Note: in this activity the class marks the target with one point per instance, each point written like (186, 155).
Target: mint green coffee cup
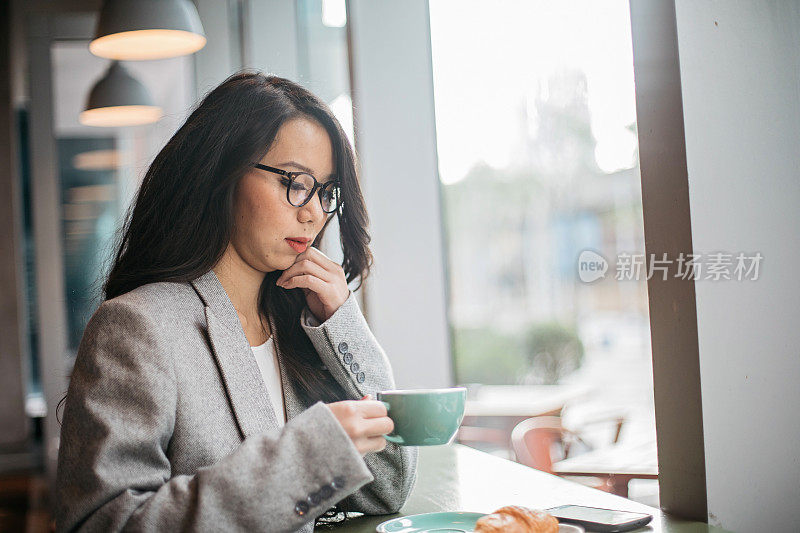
(424, 417)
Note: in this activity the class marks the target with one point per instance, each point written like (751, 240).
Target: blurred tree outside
(488, 356)
(553, 351)
(544, 354)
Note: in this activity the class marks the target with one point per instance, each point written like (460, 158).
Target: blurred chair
(608, 421)
(540, 441)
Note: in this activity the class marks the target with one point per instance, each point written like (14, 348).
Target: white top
(267, 360)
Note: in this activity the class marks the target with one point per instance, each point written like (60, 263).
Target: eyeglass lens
(302, 186)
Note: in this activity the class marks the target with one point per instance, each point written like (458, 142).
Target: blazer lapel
(244, 384)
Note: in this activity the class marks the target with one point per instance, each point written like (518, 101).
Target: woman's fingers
(304, 267)
(376, 427)
(374, 422)
(371, 408)
(323, 282)
(316, 255)
(305, 281)
(365, 421)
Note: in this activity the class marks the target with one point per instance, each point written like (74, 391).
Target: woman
(221, 384)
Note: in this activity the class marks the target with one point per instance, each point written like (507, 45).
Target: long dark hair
(182, 219)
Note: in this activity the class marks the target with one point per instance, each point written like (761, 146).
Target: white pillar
(396, 139)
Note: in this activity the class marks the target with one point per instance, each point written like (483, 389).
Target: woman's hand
(365, 422)
(322, 280)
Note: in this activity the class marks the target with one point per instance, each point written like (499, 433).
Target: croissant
(517, 519)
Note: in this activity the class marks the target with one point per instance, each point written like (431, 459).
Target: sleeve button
(361, 377)
(338, 482)
(325, 491)
(313, 498)
(354, 368)
(301, 508)
(348, 358)
(343, 347)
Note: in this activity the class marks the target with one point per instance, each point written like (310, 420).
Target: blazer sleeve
(113, 467)
(366, 370)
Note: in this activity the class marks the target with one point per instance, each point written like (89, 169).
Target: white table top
(459, 478)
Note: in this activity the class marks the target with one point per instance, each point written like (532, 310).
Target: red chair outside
(540, 441)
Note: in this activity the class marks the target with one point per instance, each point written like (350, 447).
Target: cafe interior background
(512, 129)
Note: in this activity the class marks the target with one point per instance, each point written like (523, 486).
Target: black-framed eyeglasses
(301, 186)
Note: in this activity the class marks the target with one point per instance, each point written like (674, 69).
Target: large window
(536, 134)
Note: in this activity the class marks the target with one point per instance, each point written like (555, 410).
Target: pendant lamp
(147, 29)
(119, 99)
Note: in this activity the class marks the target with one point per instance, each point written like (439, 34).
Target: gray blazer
(168, 425)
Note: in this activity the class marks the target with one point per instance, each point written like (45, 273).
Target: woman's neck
(242, 283)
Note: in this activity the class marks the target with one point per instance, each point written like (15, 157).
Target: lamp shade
(119, 99)
(147, 29)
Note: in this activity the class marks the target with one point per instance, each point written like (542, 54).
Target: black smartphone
(601, 520)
